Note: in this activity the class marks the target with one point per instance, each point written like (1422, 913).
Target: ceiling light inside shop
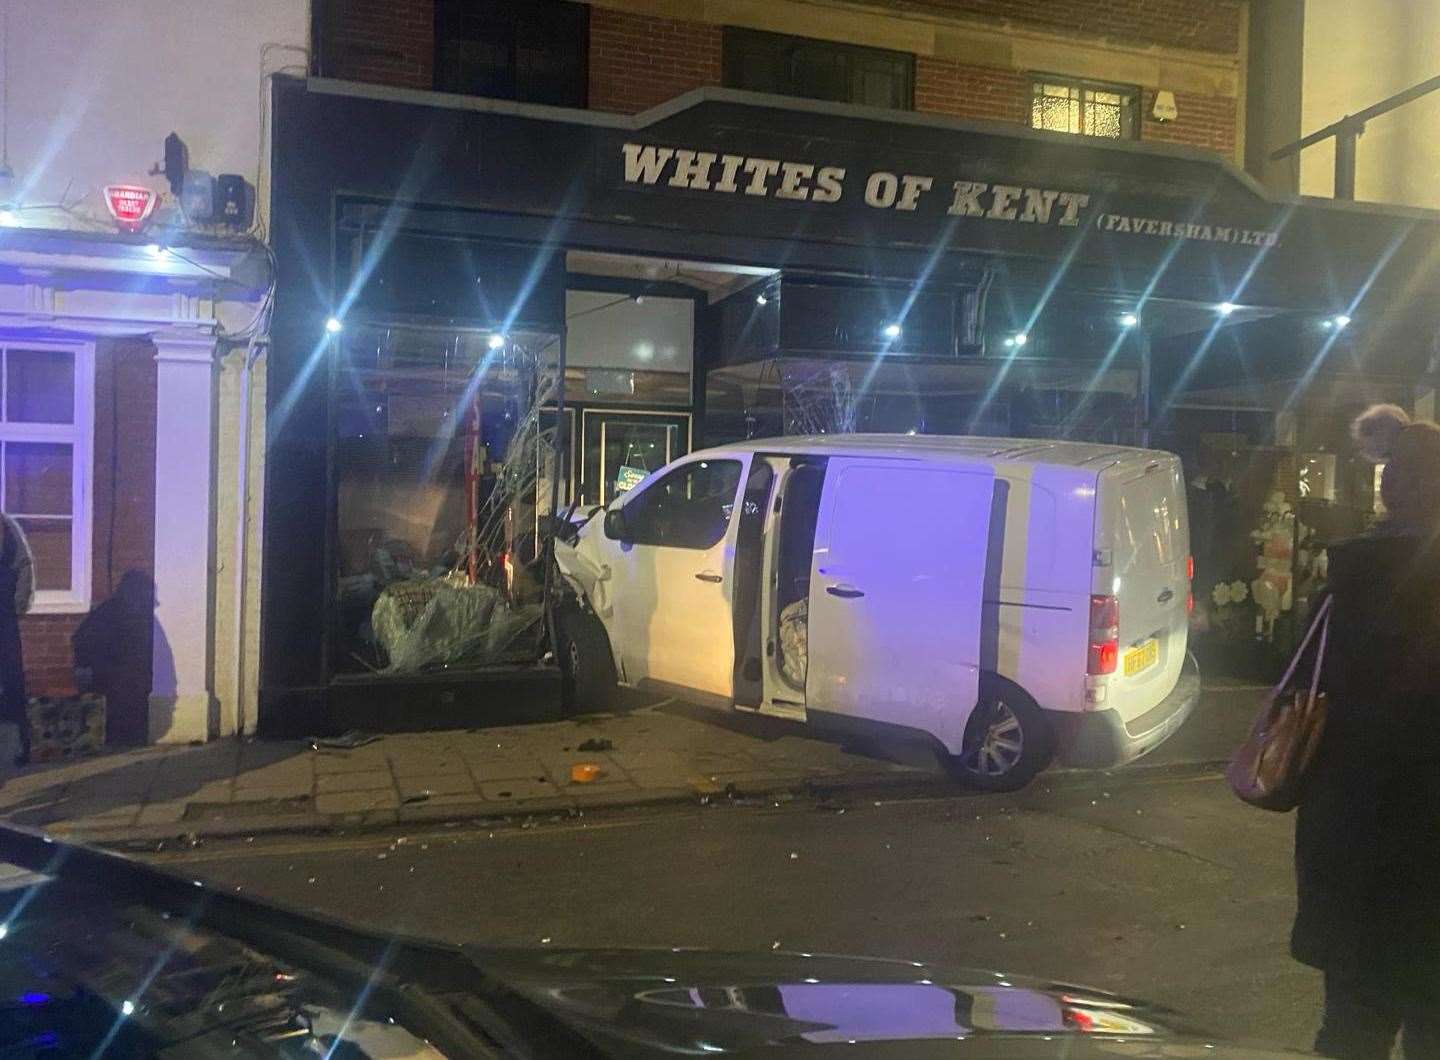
(495, 342)
(1020, 339)
(1129, 320)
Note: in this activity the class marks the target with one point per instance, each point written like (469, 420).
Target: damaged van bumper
(1100, 739)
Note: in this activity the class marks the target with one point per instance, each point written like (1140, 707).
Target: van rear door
(895, 588)
(1143, 525)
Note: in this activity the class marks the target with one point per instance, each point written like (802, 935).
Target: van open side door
(895, 593)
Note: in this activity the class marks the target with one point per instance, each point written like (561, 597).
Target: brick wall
(1205, 121)
(114, 637)
(637, 61)
(944, 87)
(383, 42)
(1205, 25)
(959, 91)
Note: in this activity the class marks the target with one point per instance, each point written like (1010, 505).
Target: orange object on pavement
(583, 772)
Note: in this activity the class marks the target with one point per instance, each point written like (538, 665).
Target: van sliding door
(895, 591)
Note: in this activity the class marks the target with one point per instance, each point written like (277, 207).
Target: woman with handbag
(1367, 840)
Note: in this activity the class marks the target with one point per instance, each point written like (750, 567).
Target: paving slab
(354, 780)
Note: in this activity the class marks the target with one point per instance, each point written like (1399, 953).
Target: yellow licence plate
(1137, 659)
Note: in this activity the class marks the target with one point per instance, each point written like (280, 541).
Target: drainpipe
(253, 351)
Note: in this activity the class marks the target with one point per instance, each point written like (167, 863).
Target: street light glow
(892, 331)
(1129, 320)
(1021, 338)
(333, 325)
(1225, 308)
(495, 342)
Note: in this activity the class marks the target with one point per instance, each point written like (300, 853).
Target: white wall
(608, 330)
(96, 85)
(238, 676)
(1357, 54)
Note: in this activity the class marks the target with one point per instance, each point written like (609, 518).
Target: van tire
(586, 666)
(1003, 717)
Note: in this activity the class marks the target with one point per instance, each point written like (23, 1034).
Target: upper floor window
(1085, 108)
(533, 51)
(816, 69)
(46, 431)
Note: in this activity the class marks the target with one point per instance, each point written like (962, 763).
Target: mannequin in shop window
(17, 593)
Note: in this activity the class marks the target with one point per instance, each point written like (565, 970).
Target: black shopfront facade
(729, 265)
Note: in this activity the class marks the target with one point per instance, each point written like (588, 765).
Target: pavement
(649, 753)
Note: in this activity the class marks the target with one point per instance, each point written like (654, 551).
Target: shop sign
(627, 478)
(1171, 229)
(789, 180)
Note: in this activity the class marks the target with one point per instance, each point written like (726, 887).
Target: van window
(689, 507)
(1152, 528)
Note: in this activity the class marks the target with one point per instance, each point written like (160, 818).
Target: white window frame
(80, 436)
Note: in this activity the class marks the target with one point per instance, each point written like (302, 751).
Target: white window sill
(61, 605)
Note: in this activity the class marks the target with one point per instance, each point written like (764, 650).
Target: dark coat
(1367, 839)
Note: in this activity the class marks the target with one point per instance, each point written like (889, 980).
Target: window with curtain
(534, 51)
(1085, 108)
(46, 429)
(817, 69)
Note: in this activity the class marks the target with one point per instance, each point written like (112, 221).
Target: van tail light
(1190, 567)
(1104, 635)
(1190, 603)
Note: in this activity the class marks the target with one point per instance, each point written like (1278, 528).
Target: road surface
(1155, 882)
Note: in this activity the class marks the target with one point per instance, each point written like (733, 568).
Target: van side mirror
(615, 528)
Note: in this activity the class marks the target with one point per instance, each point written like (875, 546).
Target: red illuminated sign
(129, 204)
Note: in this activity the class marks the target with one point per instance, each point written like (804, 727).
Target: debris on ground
(344, 742)
(432, 623)
(600, 744)
(419, 796)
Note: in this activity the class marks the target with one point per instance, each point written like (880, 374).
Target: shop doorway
(622, 446)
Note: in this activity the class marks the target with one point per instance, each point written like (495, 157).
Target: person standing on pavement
(1367, 838)
(17, 593)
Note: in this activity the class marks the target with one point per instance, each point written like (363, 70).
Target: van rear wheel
(1007, 740)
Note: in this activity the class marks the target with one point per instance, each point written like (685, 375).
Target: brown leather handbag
(1269, 768)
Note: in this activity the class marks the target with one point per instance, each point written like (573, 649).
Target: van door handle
(845, 592)
(709, 576)
(1166, 596)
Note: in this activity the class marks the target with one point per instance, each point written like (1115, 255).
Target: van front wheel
(586, 665)
(1007, 740)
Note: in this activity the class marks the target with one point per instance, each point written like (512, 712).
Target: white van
(1011, 599)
